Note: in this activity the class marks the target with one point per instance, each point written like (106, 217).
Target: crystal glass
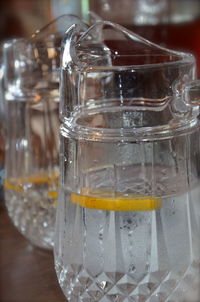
(127, 225)
(32, 121)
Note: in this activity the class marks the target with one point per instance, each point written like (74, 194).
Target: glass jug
(31, 83)
(127, 225)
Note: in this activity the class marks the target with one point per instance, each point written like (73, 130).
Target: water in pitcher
(32, 166)
(130, 232)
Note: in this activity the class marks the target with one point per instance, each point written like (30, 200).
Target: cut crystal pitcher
(128, 215)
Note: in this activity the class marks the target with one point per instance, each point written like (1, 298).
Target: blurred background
(172, 23)
(20, 18)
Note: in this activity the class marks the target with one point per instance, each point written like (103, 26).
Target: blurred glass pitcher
(31, 83)
(128, 215)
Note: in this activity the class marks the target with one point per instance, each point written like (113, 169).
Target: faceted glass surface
(128, 213)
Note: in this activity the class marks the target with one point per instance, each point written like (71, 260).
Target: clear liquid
(129, 255)
(32, 207)
(108, 255)
(31, 166)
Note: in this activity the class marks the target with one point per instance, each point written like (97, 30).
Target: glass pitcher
(31, 83)
(127, 225)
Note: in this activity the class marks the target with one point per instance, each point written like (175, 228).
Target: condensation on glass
(128, 218)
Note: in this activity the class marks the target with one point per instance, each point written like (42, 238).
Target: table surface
(26, 273)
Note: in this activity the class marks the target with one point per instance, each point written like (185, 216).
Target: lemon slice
(112, 201)
(17, 184)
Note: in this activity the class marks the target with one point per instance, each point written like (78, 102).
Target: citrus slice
(18, 184)
(114, 201)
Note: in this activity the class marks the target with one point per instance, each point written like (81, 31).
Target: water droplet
(132, 269)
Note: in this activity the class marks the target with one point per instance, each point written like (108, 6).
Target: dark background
(20, 18)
